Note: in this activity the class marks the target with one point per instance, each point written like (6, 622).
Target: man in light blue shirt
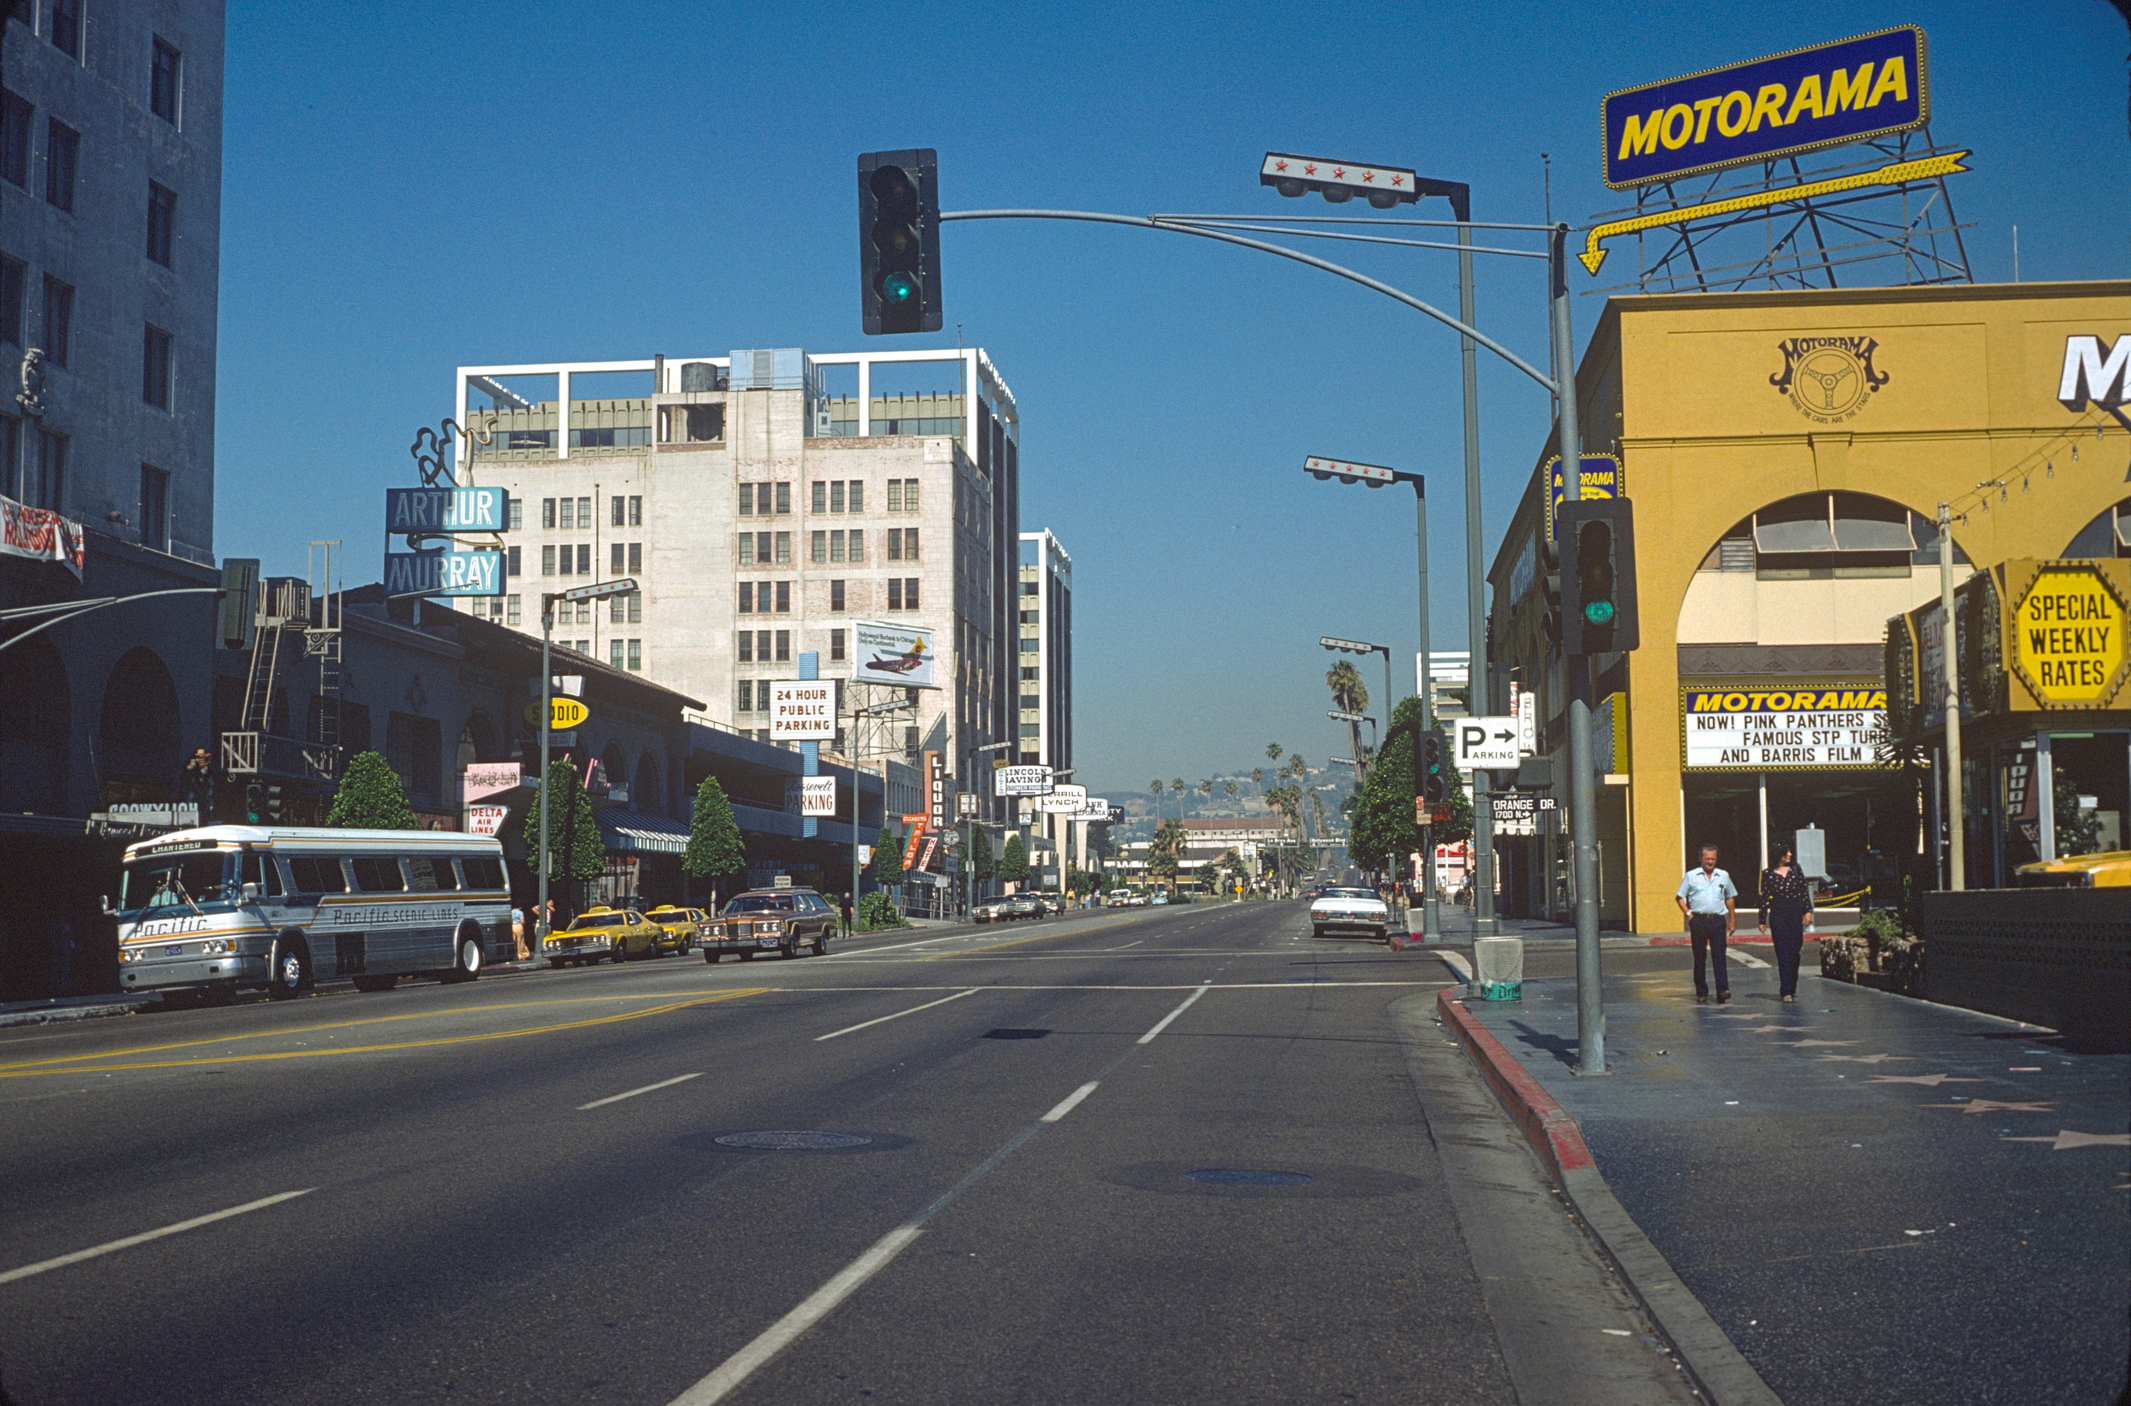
(1709, 900)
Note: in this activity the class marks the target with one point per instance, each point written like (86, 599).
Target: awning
(634, 831)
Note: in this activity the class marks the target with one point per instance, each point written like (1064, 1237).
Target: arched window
(647, 790)
(477, 741)
(615, 762)
(137, 734)
(2108, 535)
(36, 712)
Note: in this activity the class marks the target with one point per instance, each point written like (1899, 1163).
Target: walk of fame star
(2066, 1139)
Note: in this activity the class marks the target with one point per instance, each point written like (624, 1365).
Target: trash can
(1498, 969)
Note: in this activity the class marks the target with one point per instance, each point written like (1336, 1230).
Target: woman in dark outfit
(1787, 908)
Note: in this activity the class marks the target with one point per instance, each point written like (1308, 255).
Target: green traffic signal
(898, 288)
(1599, 612)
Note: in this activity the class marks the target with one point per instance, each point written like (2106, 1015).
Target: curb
(1711, 1360)
(52, 1014)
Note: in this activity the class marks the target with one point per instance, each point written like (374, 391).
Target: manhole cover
(793, 1141)
(1229, 1176)
(1012, 1034)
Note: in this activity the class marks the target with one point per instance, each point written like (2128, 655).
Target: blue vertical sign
(444, 573)
(421, 510)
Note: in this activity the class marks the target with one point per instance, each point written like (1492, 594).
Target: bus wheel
(377, 983)
(468, 965)
(289, 972)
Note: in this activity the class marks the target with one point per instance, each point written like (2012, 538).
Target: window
(895, 593)
(1032, 673)
(13, 275)
(821, 496)
(636, 557)
(747, 549)
(261, 869)
(514, 561)
(47, 478)
(311, 874)
(636, 510)
(62, 155)
(569, 514)
(1031, 647)
(858, 544)
(584, 558)
(1029, 617)
(162, 223)
(65, 27)
(836, 642)
(378, 875)
(895, 495)
(584, 612)
(15, 115)
(858, 495)
(547, 512)
(513, 613)
(584, 514)
(895, 544)
(616, 555)
(636, 607)
(762, 646)
(1031, 588)
(747, 646)
(784, 548)
(836, 546)
(784, 597)
(636, 655)
(910, 544)
(155, 366)
(547, 561)
(163, 83)
(910, 593)
(428, 875)
(516, 514)
(615, 508)
(836, 595)
(784, 498)
(58, 320)
(155, 507)
(614, 653)
(819, 544)
(902, 495)
(1032, 700)
(836, 496)
(614, 610)
(747, 597)
(784, 646)
(744, 694)
(747, 500)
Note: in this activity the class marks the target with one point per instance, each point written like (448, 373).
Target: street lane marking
(145, 1236)
(1032, 937)
(1070, 1102)
(94, 1064)
(1458, 965)
(1737, 956)
(1163, 1023)
(647, 1089)
(878, 1020)
(1129, 944)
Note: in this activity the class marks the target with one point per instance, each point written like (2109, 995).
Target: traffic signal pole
(1479, 699)
(547, 720)
(1576, 669)
(1431, 917)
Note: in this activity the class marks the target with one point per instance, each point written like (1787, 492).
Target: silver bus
(229, 907)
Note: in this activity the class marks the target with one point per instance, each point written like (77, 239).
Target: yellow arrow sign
(1893, 173)
(567, 713)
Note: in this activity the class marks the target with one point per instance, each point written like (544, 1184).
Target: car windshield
(177, 881)
(759, 903)
(601, 920)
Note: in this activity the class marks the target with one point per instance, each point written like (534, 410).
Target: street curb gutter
(50, 1014)
(1718, 1370)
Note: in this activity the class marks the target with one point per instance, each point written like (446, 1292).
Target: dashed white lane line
(145, 1236)
(881, 1020)
(647, 1089)
(1070, 1101)
(735, 1370)
(1120, 949)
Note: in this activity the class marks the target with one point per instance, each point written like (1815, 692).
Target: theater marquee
(1787, 728)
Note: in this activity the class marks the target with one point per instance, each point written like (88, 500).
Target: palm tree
(1155, 786)
(1257, 776)
(1230, 789)
(1176, 789)
(1272, 751)
(1350, 695)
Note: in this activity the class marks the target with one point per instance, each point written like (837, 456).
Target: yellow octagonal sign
(567, 713)
(2068, 637)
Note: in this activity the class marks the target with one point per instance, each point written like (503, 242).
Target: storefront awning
(636, 832)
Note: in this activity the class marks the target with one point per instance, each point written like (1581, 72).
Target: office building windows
(858, 495)
(836, 496)
(569, 561)
(517, 515)
(636, 655)
(63, 26)
(784, 597)
(784, 646)
(836, 595)
(747, 500)
(58, 320)
(762, 646)
(569, 514)
(836, 546)
(584, 558)
(903, 495)
(547, 512)
(512, 608)
(744, 696)
(895, 593)
(895, 495)
(616, 555)
(163, 76)
(784, 498)
(1031, 673)
(62, 160)
(636, 557)
(747, 597)
(46, 480)
(584, 514)
(821, 495)
(747, 549)
(895, 544)
(13, 275)
(15, 115)
(616, 507)
(615, 608)
(155, 507)
(818, 551)
(155, 366)
(902, 544)
(836, 643)
(784, 548)
(746, 640)
(547, 561)
(614, 654)
(584, 613)
(636, 510)
(514, 563)
(162, 223)
(910, 593)
(858, 544)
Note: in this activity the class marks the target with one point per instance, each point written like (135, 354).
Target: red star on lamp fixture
(1395, 180)
(1368, 176)
(1339, 171)
(1279, 165)
(1309, 170)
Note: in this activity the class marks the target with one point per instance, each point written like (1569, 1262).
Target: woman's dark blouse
(1787, 893)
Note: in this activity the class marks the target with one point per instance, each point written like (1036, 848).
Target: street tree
(888, 861)
(1014, 861)
(715, 847)
(1155, 788)
(576, 853)
(1166, 849)
(980, 850)
(1229, 789)
(1382, 832)
(370, 797)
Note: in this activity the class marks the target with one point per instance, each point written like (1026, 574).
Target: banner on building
(887, 653)
(425, 510)
(1781, 728)
(810, 795)
(39, 534)
(490, 779)
(917, 825)
(1600, 478)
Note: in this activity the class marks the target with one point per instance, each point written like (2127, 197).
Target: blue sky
(410, 187)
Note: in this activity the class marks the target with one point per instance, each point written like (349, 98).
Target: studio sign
(1828, 379)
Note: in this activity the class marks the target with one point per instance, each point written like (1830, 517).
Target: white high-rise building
(1044, 683)
(761, 516)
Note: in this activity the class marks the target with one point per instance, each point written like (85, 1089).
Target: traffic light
(254, 802)
(273, 804)
(1434, 785)
(1598, 613)
(237, 611)
(899, 241)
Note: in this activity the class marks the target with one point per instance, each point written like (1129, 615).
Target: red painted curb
(1552, 1133)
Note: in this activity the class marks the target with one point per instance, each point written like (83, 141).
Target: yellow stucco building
(1786, 453)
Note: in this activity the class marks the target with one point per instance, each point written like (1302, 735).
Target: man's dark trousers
(1706, 931)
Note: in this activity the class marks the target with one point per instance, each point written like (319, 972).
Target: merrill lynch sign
(1780, 729)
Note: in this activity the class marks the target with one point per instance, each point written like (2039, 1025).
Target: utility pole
(547, 719)
(1956, 809)
(1431, 912)
(1583, 802)
(1479, 695)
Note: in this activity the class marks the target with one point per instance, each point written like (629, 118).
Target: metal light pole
(1478, 682)
(1956, 807)
(547, 718)
(1583, 801)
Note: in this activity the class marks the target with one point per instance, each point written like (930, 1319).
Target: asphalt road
(1190, 1155)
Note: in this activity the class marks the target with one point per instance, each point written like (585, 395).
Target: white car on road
(1349, 910)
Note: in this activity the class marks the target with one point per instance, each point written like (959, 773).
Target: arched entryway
(138, 758)
(36, 711)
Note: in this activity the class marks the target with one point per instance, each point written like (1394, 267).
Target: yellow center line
(99, 1064)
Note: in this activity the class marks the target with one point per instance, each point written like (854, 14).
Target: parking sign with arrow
(1485, 744)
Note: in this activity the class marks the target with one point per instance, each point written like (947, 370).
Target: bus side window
(483, 871)
(447, 876)
(262, 873)
(423, 872)
(379, 874)
(316, 874)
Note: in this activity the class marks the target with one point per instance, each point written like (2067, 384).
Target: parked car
(1160, 899)
(786, 921)
(616, 933)
(2110, 869)
(1118, 898)
(1054, 903)
(993, 910)
(683, 926)
(1349, 910)
(1026, 905)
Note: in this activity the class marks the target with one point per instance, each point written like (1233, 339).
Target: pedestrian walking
(847, 914)
(196, 786)
(518, 932)
(1709, 900)
(1787, 912)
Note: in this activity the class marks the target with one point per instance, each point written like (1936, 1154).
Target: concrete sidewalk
(1880, 1201)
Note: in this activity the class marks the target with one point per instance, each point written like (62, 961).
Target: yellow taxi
(2111, 869)
(682, 927)
(614, 933)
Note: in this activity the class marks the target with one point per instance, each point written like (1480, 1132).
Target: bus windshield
(182, 881)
